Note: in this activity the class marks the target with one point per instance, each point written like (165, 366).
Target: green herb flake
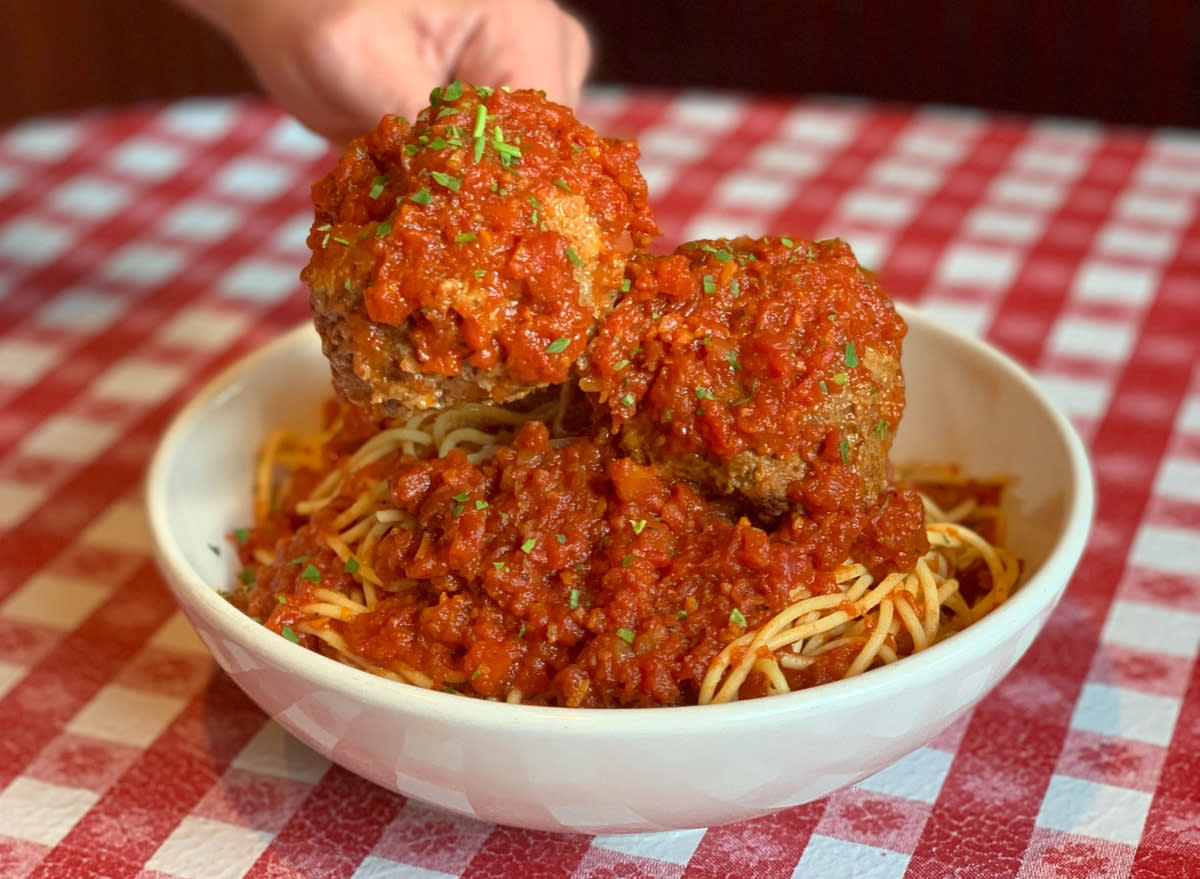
(844, 449)
(299, 560)
(352, 565)
(421, 196)
(290, 634)
(282, 599)
(464, 237)
(528, 545)
(841, 378)
(851, 356)
(710, 286)
(573, 599)
(499, 566)
(559, 345)
(573, 256)
(377, 186)
(627, 561)
(481, 504)
(561, 538)
(638, 525)
(731, 357)
(735, 288)
(824, 387)
(626, 635)
(479, 273)
(787, 242)
(447, 180)
(246, 576)
(562, 184)
(453, 91)
(625, 285)
(457, 510)
(736, 617)
(311, 574)
(460, 497)
(383, 228)
(703, 393)
(627, 399)
(620, 364)
(241, 536)
(881, 428)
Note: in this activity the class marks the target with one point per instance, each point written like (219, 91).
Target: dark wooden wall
(1134, 61)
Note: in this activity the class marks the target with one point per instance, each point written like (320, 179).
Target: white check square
(1108, 283)
(33, 242)
(977, 266)
(825, 857)
(275, 751)
(54, 602)
(1088, 808)
(1125, 713)
(1091, 339)
(1179, 479)
(40, 812)
(127, 716)
(70, 438)
(200, 848)
(1167, 548)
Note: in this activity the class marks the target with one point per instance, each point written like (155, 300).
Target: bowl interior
(967, 404)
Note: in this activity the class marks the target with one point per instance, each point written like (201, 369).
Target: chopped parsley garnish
(453, 91)
(626, 635)
(735, 617)
(241, 536)
(352, 565)
(735, 288)
(447, 180)
(703, 393)
(561, 538)
(562, 184)
(383, 228)
(627, 399)
(710, 286)
(290, 635)
(637, 525)
(620, 364)
(573, 599)
(479, 273)
(481, 504)
(573, 256)
(881, 428)
(246, 576)
(844, 449)
(851, 356)
(499, 566)
(824, 387)
(528, 545)
(377, 186)
(464, 237)
(311, 574)
(421, 196)
(460, 497)
(625, 285)
(787, 242)
(841, 378)
(731, 357)
(558, 346)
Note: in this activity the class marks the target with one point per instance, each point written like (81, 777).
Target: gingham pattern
(142, 250)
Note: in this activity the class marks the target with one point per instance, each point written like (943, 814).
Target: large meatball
(751, 366)
(471, 255)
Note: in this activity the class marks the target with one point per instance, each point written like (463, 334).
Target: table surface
(143, 249)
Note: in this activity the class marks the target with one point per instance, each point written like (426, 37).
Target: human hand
(339, 65)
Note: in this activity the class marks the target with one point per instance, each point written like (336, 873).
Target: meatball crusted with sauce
(762, 368)
(469, 256)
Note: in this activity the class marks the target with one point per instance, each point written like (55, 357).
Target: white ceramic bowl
(625, 770)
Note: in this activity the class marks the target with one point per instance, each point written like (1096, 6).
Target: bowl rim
(196, 596)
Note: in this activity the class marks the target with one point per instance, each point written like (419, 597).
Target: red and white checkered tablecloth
(143, 249)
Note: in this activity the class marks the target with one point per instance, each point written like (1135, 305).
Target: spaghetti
(482, 551)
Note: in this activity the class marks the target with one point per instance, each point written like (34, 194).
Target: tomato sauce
(573, 575)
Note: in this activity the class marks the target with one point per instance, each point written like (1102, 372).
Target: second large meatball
(753, 367)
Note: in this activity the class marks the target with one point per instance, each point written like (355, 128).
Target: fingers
(527, 44)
